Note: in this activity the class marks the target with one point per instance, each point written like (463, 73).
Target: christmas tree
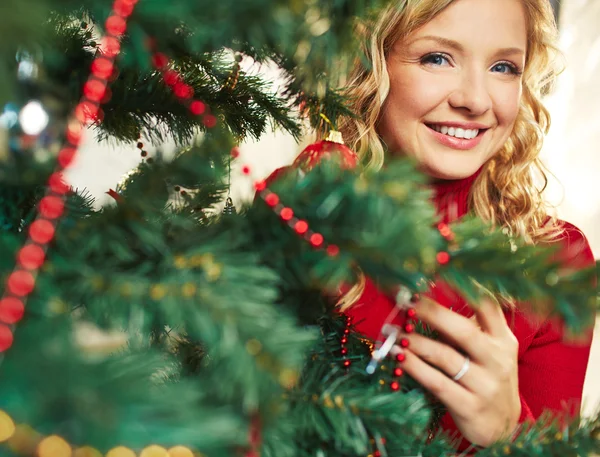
(225, 338)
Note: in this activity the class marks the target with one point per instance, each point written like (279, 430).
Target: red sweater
(551, 370)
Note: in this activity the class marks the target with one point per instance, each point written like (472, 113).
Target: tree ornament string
(31, 257)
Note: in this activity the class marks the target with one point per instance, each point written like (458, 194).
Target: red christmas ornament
(21, 283)
(344, 340)
(11, 310)
(31, 257)
(347, 363)
(52, 207)
(41, 231)
(344, 351)
(443, 258)
(6, 338)
(332, 146)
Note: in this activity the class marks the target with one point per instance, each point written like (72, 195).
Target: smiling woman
(457, 85)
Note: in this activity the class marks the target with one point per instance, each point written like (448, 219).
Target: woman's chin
(450, 171)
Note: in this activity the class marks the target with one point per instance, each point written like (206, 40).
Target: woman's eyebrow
(459, 47)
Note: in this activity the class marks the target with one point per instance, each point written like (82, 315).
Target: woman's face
(455, 87)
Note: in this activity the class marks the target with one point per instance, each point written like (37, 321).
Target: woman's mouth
(456, 137)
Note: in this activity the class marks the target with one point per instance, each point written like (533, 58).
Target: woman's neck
(451, 197)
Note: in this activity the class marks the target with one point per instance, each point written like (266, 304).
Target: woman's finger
(459, 331)
(446, 359)
(491, 318)
(457, 399)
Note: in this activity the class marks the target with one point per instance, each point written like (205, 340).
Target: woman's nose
(472, 93)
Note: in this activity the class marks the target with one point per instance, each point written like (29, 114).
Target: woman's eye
(507, 68)
(435, 59)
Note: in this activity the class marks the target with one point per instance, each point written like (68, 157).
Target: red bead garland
(11, 310)
(31, 257)
(344, 340)
(443, 258)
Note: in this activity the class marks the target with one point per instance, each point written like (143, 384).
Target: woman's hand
(484, 402)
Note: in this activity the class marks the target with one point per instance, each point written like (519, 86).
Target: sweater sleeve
(552, 367)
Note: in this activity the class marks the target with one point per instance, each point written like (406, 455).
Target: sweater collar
(451, 197)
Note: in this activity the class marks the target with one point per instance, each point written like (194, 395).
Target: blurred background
(572, 151)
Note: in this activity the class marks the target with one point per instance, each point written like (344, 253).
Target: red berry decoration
(6, 338)
(52, 207)
(272, 199)
(116, 25)
(31, 257)
(301, 227)
(102, 68)
(57, 184)
(196, 107)
(395, 386)
(11, 310)
(316, 239)
(210, 121)
(287, 214)
(41, 231)
(66, 156)
(21, 283)
(333, 250)
(443, 258)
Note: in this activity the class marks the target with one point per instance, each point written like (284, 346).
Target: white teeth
(456, 132)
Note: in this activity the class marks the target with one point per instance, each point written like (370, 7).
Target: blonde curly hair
(505, 193)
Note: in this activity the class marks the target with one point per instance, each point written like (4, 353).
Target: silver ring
(463, 369)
